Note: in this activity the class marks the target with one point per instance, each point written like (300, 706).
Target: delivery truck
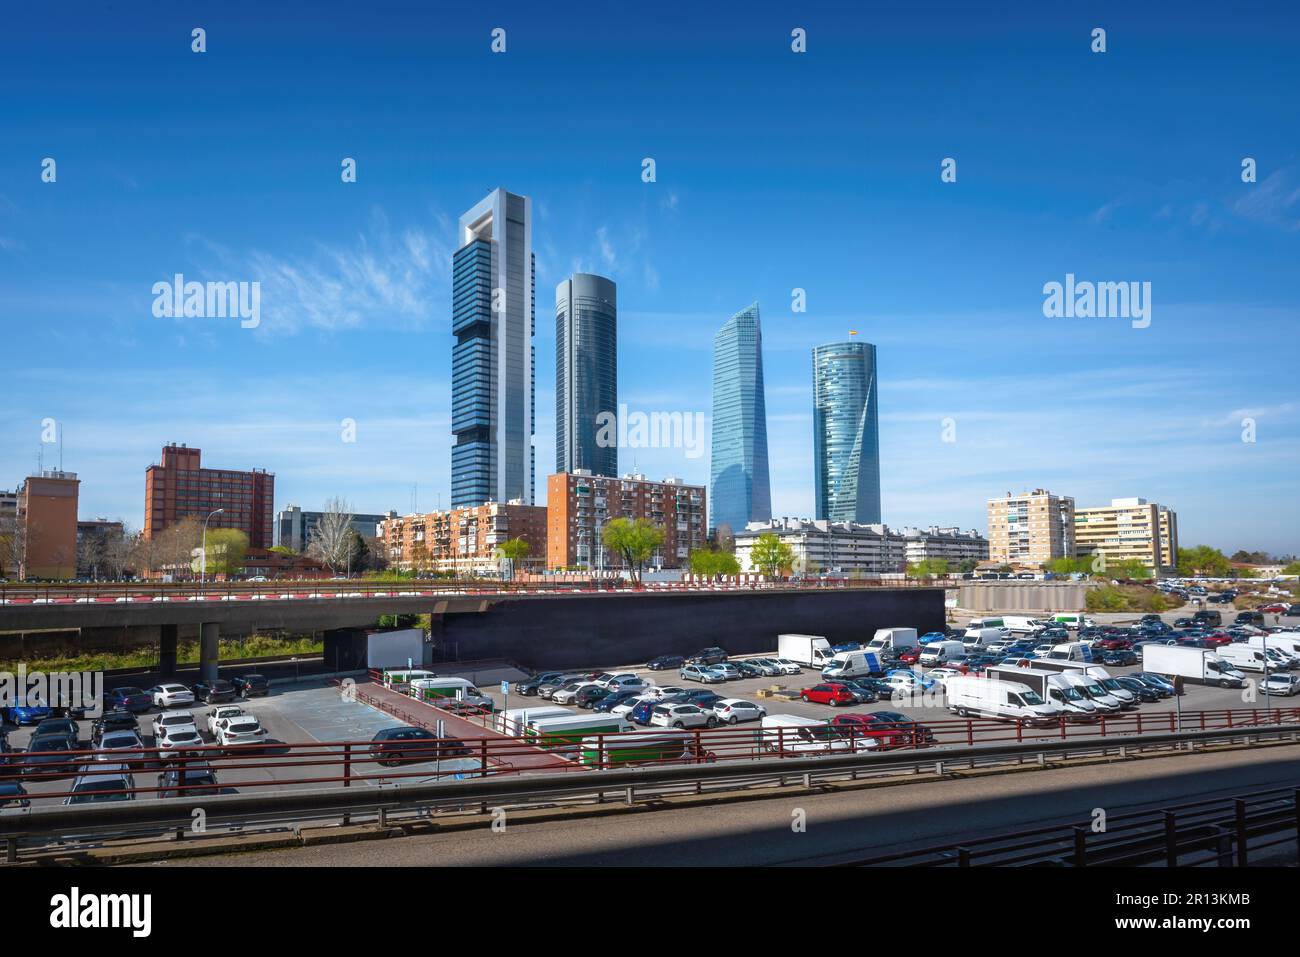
(635, 747)
(810, 650)
(514, 720)
(852, 664)
(1005, 700)
(566, 733)
(893, 641)
(1052, 688)
(1192, 664)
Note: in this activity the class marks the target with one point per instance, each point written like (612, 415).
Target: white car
(222, 711)
(241, 729)
(175, 721)
(787, 666)
(702, 673)
(682, 716)
(732, 710)
(942, 675)
(626, 708)
(570, 691)
(659, 692)
(119, 746)
(1283, 684)
(175, 741)
(171, 695)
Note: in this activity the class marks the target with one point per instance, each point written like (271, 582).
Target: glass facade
(739, 489)
(586, 372)
(493, 388)
(846, 440)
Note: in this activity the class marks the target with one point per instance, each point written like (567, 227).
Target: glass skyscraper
(846, 440)
(586, 372)
(739, 490)
(493, 361)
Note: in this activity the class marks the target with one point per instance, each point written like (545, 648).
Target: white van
(940, 652)
(1091, 689)
(976, 638)
(851, 664)
(790, 732)
(1247, 658)
(1286, 643)
(1020, 625)
(1071, 651)
(995, 698)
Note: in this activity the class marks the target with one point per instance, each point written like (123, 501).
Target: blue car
(847, 646)
(135, 700)
(24, 714)
(641, 713)
(609, 702)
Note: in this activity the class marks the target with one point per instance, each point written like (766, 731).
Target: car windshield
(121, 741)
(1031, 697)
(92, 791)
(124, 692)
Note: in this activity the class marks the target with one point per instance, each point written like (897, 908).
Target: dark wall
(598, 631)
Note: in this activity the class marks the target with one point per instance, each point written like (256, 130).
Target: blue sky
(775, 170)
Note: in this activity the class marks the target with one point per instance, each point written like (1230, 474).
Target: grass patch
(187, 652)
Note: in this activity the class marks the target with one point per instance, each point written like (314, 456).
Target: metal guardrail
(382, 799)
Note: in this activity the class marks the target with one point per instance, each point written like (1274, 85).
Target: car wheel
(711, 723)
(804, 698)
(677, 724)
(733, 719)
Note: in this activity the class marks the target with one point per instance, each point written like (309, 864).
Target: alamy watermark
(1101, 300)
(80, 690)
(211, 300)
(653, 430)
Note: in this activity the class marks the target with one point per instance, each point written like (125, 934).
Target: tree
(725, 538)
(117, 550)
(968, 565)
(512, 550)
(17, 537)
(704, 561)
(633, 541)
(1130, 569)
(1292, 569)
(928, 568)
(174, 546)
(1204, 561)
(770, 555)
(225, 551)
(330, 541)
(282, 550)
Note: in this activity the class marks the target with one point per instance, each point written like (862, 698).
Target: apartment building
(179, 486)
(1128, 529)
(951, 545)
(821, 546)
(42, 532)
(294, 527)
(1031, 528)
(580, 504)
(464, 541)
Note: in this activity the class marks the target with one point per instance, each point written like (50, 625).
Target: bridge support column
(209, 650)
(167, 639)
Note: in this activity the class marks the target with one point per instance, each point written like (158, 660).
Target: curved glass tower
(586, 372)
(846, 440)
(739, 491)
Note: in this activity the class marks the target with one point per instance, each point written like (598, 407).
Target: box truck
(852, 664)
(788, 733)
(893, 640)
(1088, 685)
(635, 747)
(940, 652)
(565, 733)
(805, 649)
(996, 698)
(1051, 687)
(514, 720)
(1193, 664)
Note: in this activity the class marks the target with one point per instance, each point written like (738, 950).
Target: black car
(1120, 657)
(64, 728)
(195, 779)
(666, 663)
(57, 760)
(863, 692)
(748, 669)
(589, 695)
(214, 692)
(404, 745)
(135, 700)
(111, 721)
(709, 656)
(697, 696)
(1145, 693)
(609, 702)
(252, 686)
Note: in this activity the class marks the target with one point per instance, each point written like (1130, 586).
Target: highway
(841, 825)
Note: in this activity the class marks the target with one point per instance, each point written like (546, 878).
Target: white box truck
(995, 698)
(852, 664)
(894, 640)
(941, 652)
(808, 650)
(1053, 688)
(1192, 664)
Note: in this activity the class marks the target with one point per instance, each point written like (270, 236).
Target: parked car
(642, 712)
(696, 672)
(194, 779)
(1144, 692)
(24, 714)
(170, 695)
(767, 666)
(569, 692)
(111, 721)
(1122, 657)
(1283, 683)
(861, 726)
(243, 729)
(219, 712)
(61, 727)
(591, 695)
(708, 656)
(698, 696)
(49, 755)
(117, 746)
(728, 671)
(135, 700)
(748, 669)
(832, 694)
(252, 686)
(101, 784)
(1161, 684)
(682, 716)
(734, 710)
(665, 662)
(175, 741)
(547, 688)
(405, 745)
(13, 794)
(611, 701)
(175, 720)
(920, 733)
(531, 685)
(215, 691)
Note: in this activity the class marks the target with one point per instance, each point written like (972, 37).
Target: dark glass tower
(586, 372)
(846, 441)
(739, 490)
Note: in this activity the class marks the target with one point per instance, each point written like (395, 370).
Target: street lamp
(203, 546)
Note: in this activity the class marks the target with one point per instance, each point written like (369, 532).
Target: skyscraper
(586, 372)
(846, 441)
(739, 490)
(493, 362)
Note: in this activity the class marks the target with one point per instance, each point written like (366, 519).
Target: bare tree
(330, 542)
(17, 538)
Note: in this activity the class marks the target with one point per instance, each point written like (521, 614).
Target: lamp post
(203, 546)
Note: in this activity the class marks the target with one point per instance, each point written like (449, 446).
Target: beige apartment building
(1128, 529)
(464, 541)
(1031, 528)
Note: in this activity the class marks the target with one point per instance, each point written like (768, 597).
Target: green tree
(1292, 569)
(770, 555)
(1202, 560)
(226, 548)
(513, 550)
(928, 568)
(704, 561)
(282, 550)
(1130, 569)
(633, 541)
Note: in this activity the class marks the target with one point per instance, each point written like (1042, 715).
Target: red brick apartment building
(179, 486)
(45, 525)
(464, 540)
(580, 504)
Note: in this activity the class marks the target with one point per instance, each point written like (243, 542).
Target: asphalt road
(840, 825)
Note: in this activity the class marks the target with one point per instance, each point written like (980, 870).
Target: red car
(1114, 644)
(911, 656)
(831, 694)
(869, 726)
(1219, 638)
(1277, 608)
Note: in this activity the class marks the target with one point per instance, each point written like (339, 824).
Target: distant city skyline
(739, 484)
(846, 432)
(820, 173)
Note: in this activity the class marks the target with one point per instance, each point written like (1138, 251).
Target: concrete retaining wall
(1022, 596)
